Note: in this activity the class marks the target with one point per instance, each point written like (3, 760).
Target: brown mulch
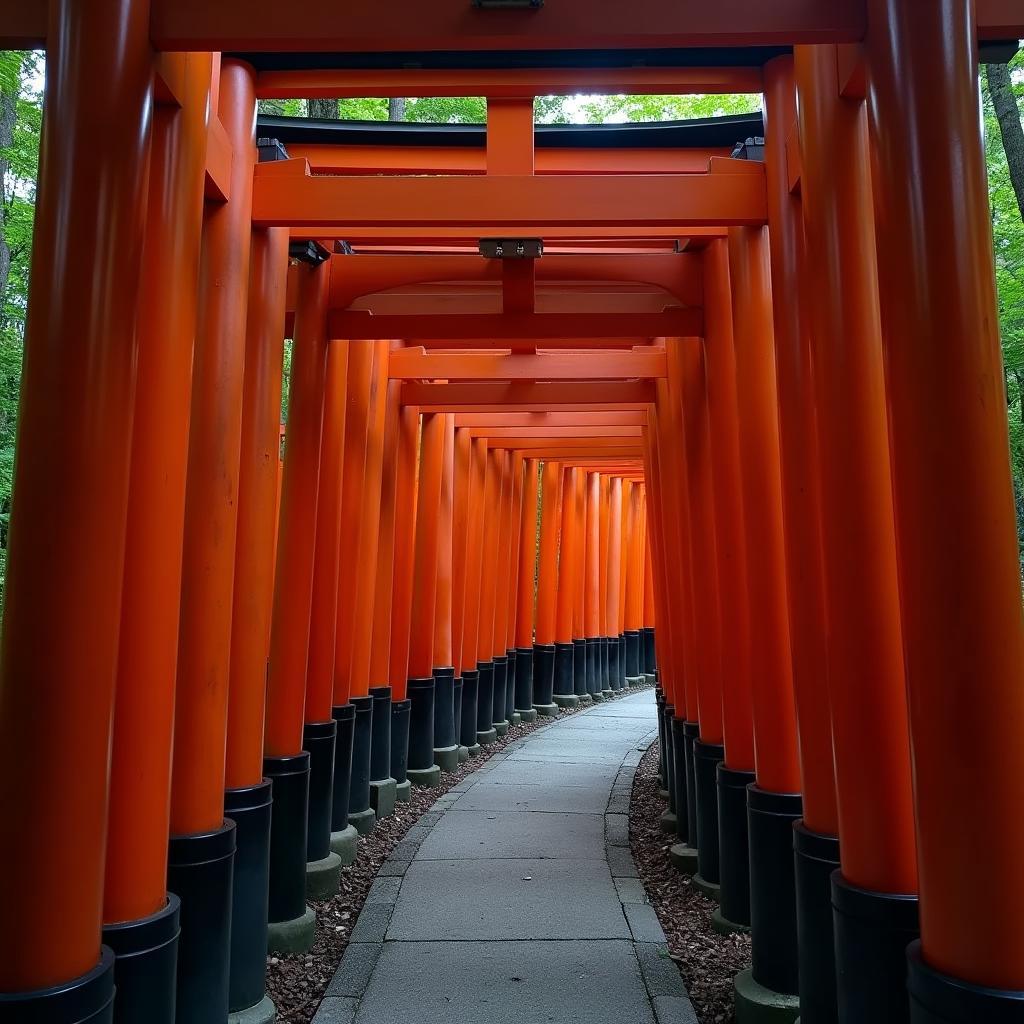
(707, 961)
(296, 982)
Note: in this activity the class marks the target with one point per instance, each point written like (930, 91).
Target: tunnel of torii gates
(755, 392)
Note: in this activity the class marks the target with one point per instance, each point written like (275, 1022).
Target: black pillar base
(362, 744)
(659, 700)
(706, 759)
(595, 665)
(614, 664)
(691, 733)
(605, 656)
(510, 685)
(815, 857)
(543, 674)
(675, 772)
(250, 810)
(470, 683)
(523, 691)
(344, 716)
(872, 932)
(579, 667)
(485, 702)
(444, 709)
(290, 776)
(199, 872)
(632, 665)
(500, 686)
(939, 999)
(770, 818)
(565, 666)
(400, 740)
(649, 661)
(145, 968)
(88, 999)
(733, 853)
(421, 724)
(318, 740)
(457, 706)
(380, 734)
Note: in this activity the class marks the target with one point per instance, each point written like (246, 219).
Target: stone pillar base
(669, 822)
(547, 710)
(530, 715)
(712, 889)
(585, 698)
(403, 791)
(516, 718)
(383, 796)
(684, 858)
(264, 1012)
(501, 729)
(650, 678)
(566, 700)
(463, 754)
(756, 1004)
(637, 680)
(363, 820)
(474, 750)
(485, 739)
(608, 693)
(724, 926)
(345, 844)
(294, 936)
(323, 877)
(446, 759)
(425, 778)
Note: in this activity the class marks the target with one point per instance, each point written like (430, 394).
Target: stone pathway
(515, 900)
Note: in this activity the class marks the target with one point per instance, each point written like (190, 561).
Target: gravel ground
(707, 961)
(297, 982)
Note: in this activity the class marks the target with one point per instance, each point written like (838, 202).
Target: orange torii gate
(812, 377)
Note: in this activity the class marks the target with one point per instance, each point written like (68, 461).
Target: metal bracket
(511, 248)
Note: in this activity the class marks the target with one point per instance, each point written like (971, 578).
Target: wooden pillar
(140, 759)
(959, 574)
(74, 453)
(293, 584)
(547, 571)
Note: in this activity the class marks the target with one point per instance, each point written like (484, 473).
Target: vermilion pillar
(547, 582)
(247, 800)
(446, 740)
(471, 608)
(865, 652)
(422, 768)
(963, 636)
(501, 575)
(774, 802)
(525, 594)
(816, 845)
(401, 595)
(141, 919)
(202, 843)
(512, 596)
(632, 605)
(737, 770)
(74, 452)
(592, 597)
(613, 560)
(486, 733)
(288, 755)
(329, 792)
(565, 684)
(579, 642)
(389, 716)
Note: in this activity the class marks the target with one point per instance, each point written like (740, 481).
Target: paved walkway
(515, 900)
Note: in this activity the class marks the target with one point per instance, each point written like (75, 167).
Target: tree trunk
(1004, 102)
(396, 108)
(324, 108)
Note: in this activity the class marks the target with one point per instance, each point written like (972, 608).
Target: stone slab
(507, 983)
(507, 899)
(490, 796)
(473, 835)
